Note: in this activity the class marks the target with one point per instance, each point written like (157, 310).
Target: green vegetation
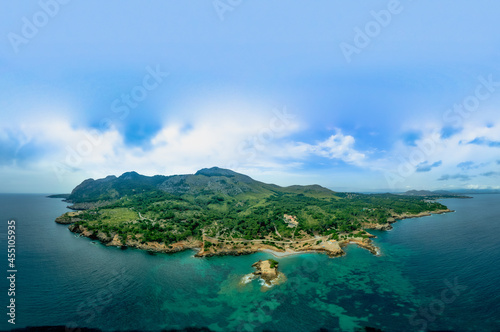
(273, 263)
(59, 196)
(228, 206)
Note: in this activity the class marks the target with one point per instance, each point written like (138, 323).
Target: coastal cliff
(208, 247)
(151, 246)
(69, 218)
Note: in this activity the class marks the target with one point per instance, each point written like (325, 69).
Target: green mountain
(222, 211)
(207, 181)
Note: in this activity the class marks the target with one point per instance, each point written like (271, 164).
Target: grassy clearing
(118, 215)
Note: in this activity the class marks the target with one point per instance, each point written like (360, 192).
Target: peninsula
(220, 212)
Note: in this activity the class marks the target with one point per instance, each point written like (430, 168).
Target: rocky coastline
(69, 218)
(326, 245)
(396, 217)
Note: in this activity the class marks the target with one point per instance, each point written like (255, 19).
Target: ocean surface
(436, 273)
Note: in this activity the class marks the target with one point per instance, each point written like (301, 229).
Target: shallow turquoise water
(63, 280)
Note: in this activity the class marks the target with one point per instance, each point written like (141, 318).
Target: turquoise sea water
(440, 273)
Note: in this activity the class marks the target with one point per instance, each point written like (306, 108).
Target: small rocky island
(268, 271)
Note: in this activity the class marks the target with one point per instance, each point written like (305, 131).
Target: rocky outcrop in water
(69, 218)
(267, 270)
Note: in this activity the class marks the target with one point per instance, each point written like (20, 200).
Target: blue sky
(361, 96)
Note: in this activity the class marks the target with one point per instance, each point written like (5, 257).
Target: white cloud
(226, 139)
(401, 163)
(337, 146)
(249, 140)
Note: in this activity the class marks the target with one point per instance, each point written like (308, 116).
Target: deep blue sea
(434, 273)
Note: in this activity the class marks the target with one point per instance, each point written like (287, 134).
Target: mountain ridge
(207, 180)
